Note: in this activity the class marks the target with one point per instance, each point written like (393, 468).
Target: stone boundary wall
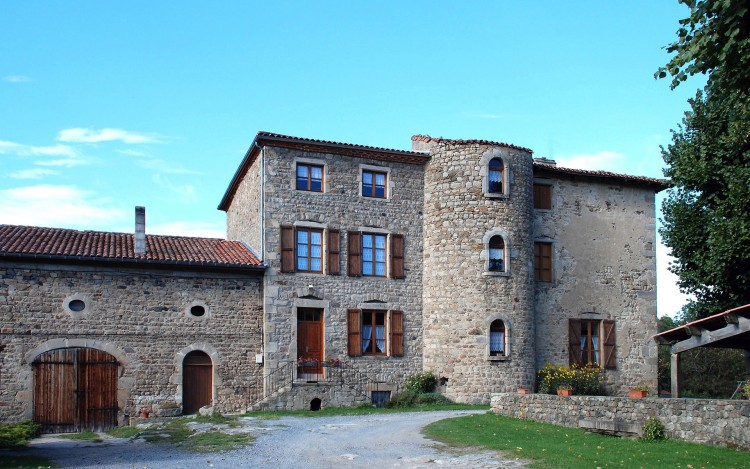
(720, 422)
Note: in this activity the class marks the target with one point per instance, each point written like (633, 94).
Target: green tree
(706, 212)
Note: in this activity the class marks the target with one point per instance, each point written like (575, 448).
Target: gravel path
(383, 440)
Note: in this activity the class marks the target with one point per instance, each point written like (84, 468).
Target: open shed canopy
(730, 329)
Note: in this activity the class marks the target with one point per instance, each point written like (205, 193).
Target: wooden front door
(75, 389)
(310, 337)
(197, 382)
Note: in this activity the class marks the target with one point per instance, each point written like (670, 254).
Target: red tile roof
(50, 244)
(428, 139)
(657, 184)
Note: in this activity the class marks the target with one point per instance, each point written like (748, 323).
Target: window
(495, 176)
(303, 250)
(374, 183)
(368, 255)
(497, 338)
(586, 347)
(375, 332)
(496, 254)
(309, 177)
(543, 262)
(542, 196)
(309, 250)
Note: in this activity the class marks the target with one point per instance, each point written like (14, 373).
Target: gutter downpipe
(264, 391)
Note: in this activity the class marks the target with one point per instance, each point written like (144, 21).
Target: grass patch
(17, 434)
(178, 432)
(83, 436)
(360, 410)
(211, 442)
(551, 446)
(24, 462)
(124, 432)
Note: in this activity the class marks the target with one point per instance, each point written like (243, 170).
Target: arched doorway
(197, 381)
(75, 389)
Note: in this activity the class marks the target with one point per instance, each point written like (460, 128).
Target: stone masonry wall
(708, 421)
(244, 214)
(604, 267)
(340, 207)
(141, 317)
(461, 298)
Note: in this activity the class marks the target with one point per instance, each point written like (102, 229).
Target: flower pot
(523, 391)
(637, 394)
(564, 392)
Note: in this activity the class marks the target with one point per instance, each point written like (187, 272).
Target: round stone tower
(478, 289)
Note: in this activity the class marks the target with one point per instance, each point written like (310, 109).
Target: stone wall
(142, 318)
(244, 214)
(341, 207)
(604, 267)
(715, 422)
(461, 297)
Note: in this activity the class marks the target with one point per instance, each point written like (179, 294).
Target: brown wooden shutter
(574, 341)
(397, 256)
(355, 342)
(287, 248)
(609, 344)
(334, 252)
(355, 253)
(397, 333)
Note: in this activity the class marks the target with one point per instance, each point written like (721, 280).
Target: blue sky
(105, 105)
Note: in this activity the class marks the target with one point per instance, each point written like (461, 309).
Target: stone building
(348, 268)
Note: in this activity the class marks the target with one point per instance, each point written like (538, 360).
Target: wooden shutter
(397, 256)
(353, 327)
(608, 331)
(287, 248)
(397, 333)
(574, 341)
(355, 253)
(334, 252)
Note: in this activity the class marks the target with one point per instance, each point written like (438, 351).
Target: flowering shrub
(314, 362)
(583, 380)
(421, 382)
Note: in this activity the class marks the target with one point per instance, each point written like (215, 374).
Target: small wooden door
(75, 389)
(197, 382)
(310, 336)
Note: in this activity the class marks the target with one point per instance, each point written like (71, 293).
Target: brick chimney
(140, 230)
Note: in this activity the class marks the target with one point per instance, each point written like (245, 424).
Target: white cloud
(669, 298)
(162, 166)
(36, 173)
(57, 206)
(81, 135)
(185, 228)
(64, 162)
(602, 161)
(130, 152)
(16, 78)
(29, 150)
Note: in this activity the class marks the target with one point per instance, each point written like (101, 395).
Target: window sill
(498, 358)
(495, 274)
(303, 191)
(496, 195)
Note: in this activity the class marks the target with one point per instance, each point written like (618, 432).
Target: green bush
(585, 381)
(653, 430)
(415, 399)
(17, 434)
(421, 382)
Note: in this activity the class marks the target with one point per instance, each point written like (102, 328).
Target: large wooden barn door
(75, 389)
(197, 378)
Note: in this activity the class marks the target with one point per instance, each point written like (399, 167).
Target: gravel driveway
(382, 440)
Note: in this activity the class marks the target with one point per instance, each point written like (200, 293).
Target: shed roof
(730, 329)
(39, 244)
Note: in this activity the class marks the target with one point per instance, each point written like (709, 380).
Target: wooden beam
(710, 337)
(731, 318)
(694, 331)
(674, 367)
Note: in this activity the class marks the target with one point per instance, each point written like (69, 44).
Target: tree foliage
(714, 39)
(707, 211)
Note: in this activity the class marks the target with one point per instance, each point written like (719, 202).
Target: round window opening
(198, 310)
(77, 305)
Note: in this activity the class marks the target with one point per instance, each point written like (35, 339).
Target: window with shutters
(371, 255)
(310, 250)
(592, 343)
(542, 196)
(543, 262)
(375, 332)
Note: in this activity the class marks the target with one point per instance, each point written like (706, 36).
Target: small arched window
(497, 254)
(495, 176)
(497, 338)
